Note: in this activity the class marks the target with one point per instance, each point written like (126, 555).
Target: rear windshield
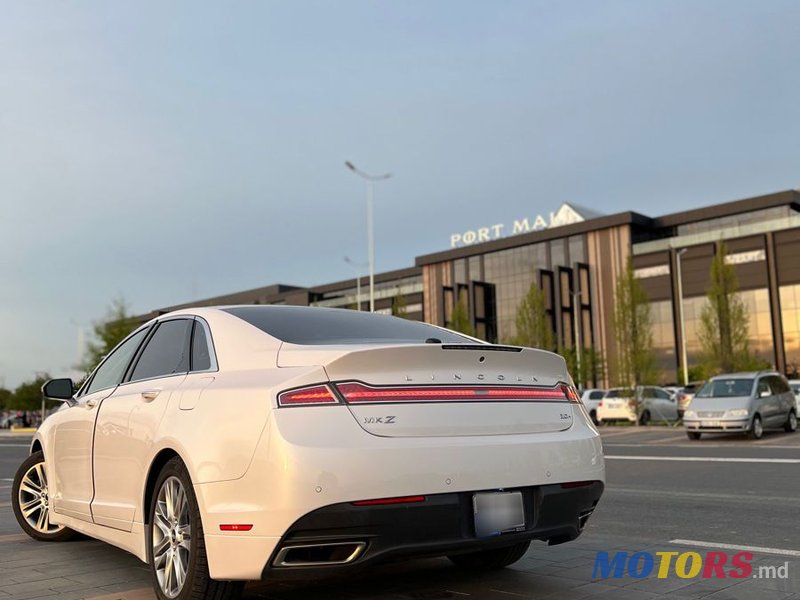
(726, 388)
(619, 393)
(326, 326)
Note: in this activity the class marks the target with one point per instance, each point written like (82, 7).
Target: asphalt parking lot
(664, 494)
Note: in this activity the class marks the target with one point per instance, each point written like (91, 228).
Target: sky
(162, 152)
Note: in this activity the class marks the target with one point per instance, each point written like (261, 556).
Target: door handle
(149, 395)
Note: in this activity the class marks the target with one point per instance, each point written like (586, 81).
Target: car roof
(744, 375)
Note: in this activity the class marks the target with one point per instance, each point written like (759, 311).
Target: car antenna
(433, 340)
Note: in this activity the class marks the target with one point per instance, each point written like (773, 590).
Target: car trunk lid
(446, 390)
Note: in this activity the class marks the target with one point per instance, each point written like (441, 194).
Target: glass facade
(790, 316)
(664, 340)
(733, 221)
(756, 304)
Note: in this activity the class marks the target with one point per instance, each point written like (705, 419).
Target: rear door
(128, 421)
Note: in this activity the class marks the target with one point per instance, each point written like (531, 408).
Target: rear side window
(322, 326)
(596, 395)
(778, 385)
(167, 352)
(202, 353)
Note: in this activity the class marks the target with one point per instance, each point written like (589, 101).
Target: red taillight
(399, 500)
(318, 394)
(236, 527)
(570, 392)
(356, 393)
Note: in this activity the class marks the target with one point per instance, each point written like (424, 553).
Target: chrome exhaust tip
(583, 518)
(314, 555)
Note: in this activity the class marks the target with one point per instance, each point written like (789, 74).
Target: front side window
(763, 388)
(110, 372)
(167, 352)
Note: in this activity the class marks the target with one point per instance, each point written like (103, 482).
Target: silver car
(742, 402)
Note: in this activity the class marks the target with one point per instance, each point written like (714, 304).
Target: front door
(70, 465)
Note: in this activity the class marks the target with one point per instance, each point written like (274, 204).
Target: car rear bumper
(441, 524)
(317, 457)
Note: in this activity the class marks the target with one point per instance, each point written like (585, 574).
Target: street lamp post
(680, 317)
(357, 267)
(370, 179)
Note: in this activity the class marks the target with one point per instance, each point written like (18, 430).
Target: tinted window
(778, 385)
(619, 393)
(596, 395)
(662, 394)
(201, 354)
(304, 325)
(166, 353)
(110, 373)
(726, 388)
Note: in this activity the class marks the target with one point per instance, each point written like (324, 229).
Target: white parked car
(645, 404)
(221, 445)
(591, 400)
(795, 385)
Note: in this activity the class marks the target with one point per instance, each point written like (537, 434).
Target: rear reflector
(576, 484)
(236, 527)
(399, 500)
(318, 394)
(357, 393)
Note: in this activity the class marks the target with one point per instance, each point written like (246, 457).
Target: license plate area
(710, 424)
(497, 513)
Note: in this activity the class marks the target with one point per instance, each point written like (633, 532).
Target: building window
(790, 316)
(756, 304)
(664, 340)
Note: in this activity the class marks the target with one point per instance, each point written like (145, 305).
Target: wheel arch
(36, 446)
(158, 462)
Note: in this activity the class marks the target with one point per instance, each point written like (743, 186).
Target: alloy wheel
(758, 428)
(34, 501)
(172, 537)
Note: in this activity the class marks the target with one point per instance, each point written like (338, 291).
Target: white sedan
(221, 445)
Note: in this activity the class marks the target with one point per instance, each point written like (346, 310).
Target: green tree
(533, 326)
(5, 398)
(399, 305)
(107, 333)
(633, 332)
(592, 365)
(459, 319)
(724, 322)
(28, 395)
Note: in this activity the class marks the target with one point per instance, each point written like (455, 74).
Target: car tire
(693, 435)
(756, 429)
(31, 502)
(496, 558)
(168, 551)
(791, 423)
(645, 418)
(593, 416)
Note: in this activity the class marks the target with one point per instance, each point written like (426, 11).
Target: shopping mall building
(575, 256)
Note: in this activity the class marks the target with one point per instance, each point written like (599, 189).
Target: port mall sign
(566, 215)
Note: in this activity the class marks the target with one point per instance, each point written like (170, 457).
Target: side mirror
(59, 389)
(763, 393)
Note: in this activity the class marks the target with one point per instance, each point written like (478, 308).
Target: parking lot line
(786, 461)
(760, 549)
